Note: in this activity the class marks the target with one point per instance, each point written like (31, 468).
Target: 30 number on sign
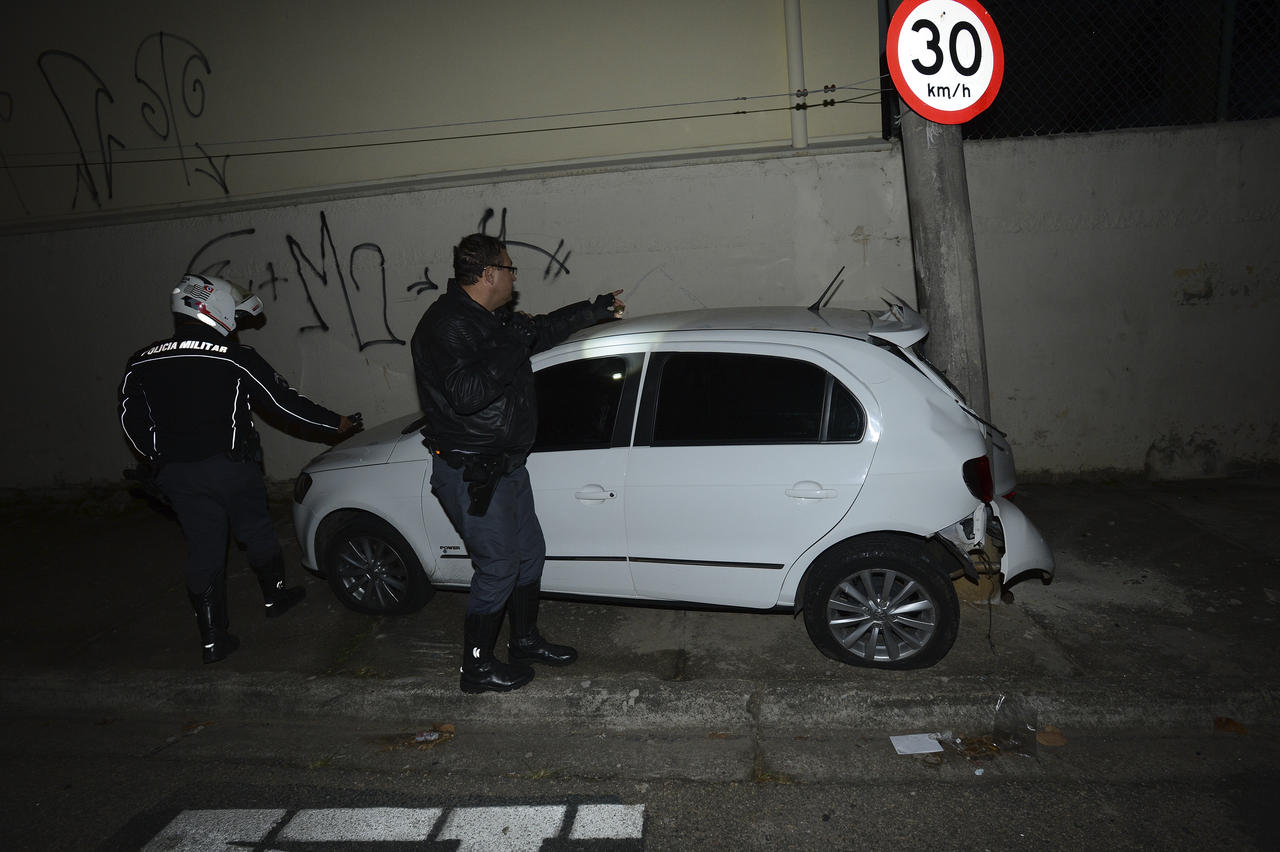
(945, 57)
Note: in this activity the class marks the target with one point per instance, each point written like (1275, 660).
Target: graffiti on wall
(6, 116)
(170, 72)
(555, 264)
(338, 282)
(178, 68)
(82, 97)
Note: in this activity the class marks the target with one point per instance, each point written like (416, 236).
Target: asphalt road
(163, 782)
(1151, 656)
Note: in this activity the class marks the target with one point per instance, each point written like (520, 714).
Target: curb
(642, 702)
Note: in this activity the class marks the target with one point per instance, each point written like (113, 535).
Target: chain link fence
(1080, 66)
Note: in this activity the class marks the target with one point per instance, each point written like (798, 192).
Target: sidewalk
(1165, 614)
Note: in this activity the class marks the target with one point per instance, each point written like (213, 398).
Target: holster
(481, 472)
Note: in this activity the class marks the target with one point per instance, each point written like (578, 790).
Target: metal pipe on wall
(795, 75)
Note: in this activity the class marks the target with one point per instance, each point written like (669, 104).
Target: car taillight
(977, 475)
(302, 485)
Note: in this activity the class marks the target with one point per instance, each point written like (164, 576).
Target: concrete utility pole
(946, 262)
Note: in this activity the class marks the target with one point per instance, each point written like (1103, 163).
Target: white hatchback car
(760, 458)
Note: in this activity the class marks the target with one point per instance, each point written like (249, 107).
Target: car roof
(898, 324)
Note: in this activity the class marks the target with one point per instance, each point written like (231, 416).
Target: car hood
(371, 446)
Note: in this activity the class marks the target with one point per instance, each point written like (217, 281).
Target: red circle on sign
(913, 100)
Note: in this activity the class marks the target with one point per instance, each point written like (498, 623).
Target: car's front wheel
(372, 569)
(882, 601)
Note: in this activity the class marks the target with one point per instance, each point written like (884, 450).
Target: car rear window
(730, 398)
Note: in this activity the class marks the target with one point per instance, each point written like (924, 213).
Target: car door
(742, 460)
(586, 408)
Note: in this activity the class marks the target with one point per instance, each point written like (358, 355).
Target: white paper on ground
(916, 743)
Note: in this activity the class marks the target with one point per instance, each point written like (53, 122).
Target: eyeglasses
(510, 269)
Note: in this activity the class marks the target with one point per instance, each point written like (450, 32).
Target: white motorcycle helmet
(213, 301)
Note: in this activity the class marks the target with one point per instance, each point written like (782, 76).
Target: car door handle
(594, 493)
(810, 491)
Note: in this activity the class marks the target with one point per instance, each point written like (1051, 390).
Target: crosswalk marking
(214, 831)
(515, 828)
(335, 824)
(608, 822)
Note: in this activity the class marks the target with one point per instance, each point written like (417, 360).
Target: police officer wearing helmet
(185, 407)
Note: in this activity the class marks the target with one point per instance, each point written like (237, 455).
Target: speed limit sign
(945, 58)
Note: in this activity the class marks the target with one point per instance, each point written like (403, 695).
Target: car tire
(882, 601)
(372, 569)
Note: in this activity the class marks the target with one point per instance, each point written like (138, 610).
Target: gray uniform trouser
(505, 543)
(210, 495)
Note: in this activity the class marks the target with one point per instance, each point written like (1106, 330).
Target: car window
(578, 402)
(846, 420)
(723, 398)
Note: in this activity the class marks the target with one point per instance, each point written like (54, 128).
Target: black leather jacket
(474, 380)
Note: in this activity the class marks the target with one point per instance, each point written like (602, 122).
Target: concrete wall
(142, 104)
(1131, 291)
(1129, 286)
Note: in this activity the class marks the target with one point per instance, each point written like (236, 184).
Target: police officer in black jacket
(185, 407)
(471, 357)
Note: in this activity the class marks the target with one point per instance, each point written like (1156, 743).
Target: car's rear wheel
(372, 569)
(883, 602)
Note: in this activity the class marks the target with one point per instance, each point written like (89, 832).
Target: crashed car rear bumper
(1025, 552)
(1000, 530)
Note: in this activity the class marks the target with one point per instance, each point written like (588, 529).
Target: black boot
(276, 599)
(526, 644)
(212, 621)
(481, 670)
